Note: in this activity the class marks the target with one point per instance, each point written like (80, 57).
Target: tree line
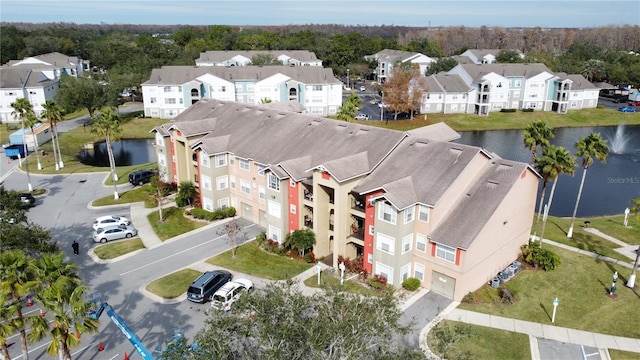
(134, 50)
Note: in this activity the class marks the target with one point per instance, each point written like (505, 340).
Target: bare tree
(234, 232)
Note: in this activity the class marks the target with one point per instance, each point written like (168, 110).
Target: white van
(230, 293)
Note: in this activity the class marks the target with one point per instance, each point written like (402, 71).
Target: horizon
(356, 13)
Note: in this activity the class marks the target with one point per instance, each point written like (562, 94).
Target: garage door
(442, 284)
(247, 212)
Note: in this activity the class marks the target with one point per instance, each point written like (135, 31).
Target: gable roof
(579, 82)
(473, 211)
(19, 78)
(219, 56)
(447, 83)
(526, 70)
(54, 59)
(175, 75)
(393, 56)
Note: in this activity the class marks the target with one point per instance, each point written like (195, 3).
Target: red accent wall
(198, 162)
(294, 199)
(433, 249)
(458, 252)
(369, 220)
(326, 175)
(174, 165)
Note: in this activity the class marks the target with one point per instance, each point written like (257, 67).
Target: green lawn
(130, 196)
(557, 228)
(252, 260)
(516, 120)
(329, 280)
(173, 285)
(483, 343)
(581, 284)
(174, 223)
(118, 248)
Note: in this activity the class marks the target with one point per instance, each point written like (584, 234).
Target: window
(232, 160)
(181, 101)
(274, 182)
(423, 213)
(418, 271)
(446, 252)
(244, 164)
(274, 208)
(221, 160)
(221, 182)
(170, 101)
(204, 160)
(180, 88)
(206, 182)
(207, 204)
(274, 233)
(245, 187)
(167, 89)
(152, 100)
(385, 271)
(408, 214)
(232, 181)
(316, 87)
(385, 243)
(261, 169)
(370, 258)
(262, 193)
(404, 272)
(407, 242)
(387, 213)
(292, 183)
(421, 242)
(223, 203)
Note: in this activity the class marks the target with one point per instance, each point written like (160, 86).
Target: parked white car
(103, 221)
(113, 232)
(230, 293)
(362, 116)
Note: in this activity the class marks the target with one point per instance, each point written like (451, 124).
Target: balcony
(308, 222)
(308, 195)
(357, 232)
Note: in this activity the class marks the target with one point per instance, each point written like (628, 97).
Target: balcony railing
(357, 233)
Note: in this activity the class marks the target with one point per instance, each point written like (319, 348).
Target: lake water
(608, 188)
(126, 152)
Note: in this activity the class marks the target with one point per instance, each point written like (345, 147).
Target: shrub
(355, 266)
(507, 110)
(470, 298)
(310, 257)
(527, 110)
(533, 254)
(218, 214)
(506, 296)
(411, 284)
(261, 239)
(377, 282)
(167, 188)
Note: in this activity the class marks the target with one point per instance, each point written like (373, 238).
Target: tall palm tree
(16, 282)
(537, 133)
(554, 161)
(107, 124)
(53, 113)
(33, 120)
(590, 147)
(21, 107)
(593, 68)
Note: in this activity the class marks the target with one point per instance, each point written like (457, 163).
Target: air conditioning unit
(372, 202)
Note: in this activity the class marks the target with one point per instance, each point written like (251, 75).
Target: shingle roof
(438, 131)
(17, 78)
(172, 75)
(393, 56)
(221, 56)
(293, 141)
(426, 167)
(579, 81)
(55, 59)
(450, 83)
(472, 212)
(477, 71)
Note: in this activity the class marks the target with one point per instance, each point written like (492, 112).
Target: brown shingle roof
(222, 56)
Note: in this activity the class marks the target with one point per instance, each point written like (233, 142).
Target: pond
(608, 187)
(126, 152)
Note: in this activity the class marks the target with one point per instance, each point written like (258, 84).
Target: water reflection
(126, 152)
(608, 187)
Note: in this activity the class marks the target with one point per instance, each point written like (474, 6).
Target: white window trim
(244, 162)
(276, 186)
(388, 269)
(392, 212)
(245, 184)
(407, 243)
(409, 214)
(382, 239)
(417, 266)
(423, 210)
(443, 250)
(421, 240)
(222, 182)
(222, 157)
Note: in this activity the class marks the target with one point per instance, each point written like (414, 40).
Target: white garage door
(442, 284)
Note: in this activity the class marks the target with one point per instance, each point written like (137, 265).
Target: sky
(419, 13)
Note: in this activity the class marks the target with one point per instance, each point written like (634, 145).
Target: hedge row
(217, 214)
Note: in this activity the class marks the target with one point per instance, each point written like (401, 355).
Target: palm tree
(589, 147)
(32, 120)
(53, 113)
(62, 293)
(21, 107)
(593, 68)
(107, 124)
(16, 283)
(186, 192)
(8, 310)
(537, 133)
(554, 161)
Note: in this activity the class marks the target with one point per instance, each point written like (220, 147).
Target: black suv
(27, 200)
(207, 284)
(141, 176)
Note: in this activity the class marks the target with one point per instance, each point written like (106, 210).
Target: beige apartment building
(412, 204)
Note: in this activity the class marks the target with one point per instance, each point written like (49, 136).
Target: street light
(555, 306)
(631, 283)
(626, 216)
(348, 79)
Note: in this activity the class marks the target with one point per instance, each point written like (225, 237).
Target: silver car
(113, 232)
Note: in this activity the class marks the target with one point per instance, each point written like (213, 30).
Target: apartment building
(244, 58)
(35, 78)
(387, 59)
(170, 90)
(412, 204)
